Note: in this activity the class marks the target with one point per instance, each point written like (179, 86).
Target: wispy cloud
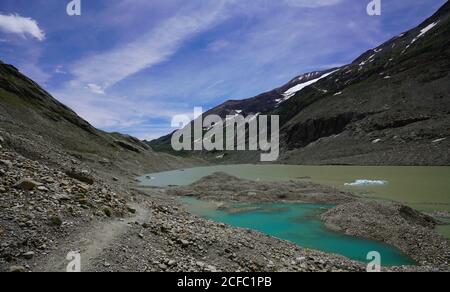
(312, 3)
(154, 47)
(89, 91)
(23, 26)
(130, 65)
(94, 88)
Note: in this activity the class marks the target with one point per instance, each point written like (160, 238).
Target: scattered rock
(184, 243)
(17, 269)
(82, 176)
(6, 163)
(28, 255)
(108, 212)
(56, 221)
(48, 180)
(131, 210)
(26, 184)
(42, 189)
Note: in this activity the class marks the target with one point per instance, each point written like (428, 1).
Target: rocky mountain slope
(37, 126)
(388, 107)
(61, 178)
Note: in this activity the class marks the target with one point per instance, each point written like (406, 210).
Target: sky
(130, 65)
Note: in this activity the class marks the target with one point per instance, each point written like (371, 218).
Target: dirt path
(90, 243)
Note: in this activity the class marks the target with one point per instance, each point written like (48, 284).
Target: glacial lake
(423, 188)
(300, 224)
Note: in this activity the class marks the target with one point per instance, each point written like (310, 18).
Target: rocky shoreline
(397, 225)
(408, 230)
(47, 211)
(224, 188)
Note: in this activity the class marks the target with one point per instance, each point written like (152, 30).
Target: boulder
(17, 269)
(82, 176)
(26, 185)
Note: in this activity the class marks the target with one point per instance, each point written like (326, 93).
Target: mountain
(37, 126)
(391, 106)
(262, 103)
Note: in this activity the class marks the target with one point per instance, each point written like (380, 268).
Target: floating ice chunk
(367, 182)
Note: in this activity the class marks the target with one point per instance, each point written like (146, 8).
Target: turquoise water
(300, 224)
(423, 188)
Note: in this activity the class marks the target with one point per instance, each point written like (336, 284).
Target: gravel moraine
(47, 212)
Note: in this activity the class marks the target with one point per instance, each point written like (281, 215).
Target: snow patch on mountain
(292, 91)
(421, 34)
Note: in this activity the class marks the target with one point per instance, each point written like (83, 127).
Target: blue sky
(130, 65)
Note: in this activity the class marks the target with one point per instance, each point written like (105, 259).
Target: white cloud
(218, 45)
(60, 70)
(150, 49)
(23, 26)
(97, 89)
(113, 110)
(95, 75)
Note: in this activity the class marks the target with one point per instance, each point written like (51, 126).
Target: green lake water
(300, 224)
(423, 188)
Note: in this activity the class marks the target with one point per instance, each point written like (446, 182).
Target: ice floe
(367, 182)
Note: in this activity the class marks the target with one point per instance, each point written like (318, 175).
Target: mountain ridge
(387, 107)
(38, 126)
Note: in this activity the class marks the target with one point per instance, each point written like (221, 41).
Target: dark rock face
(300, 135)
(398, 94)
